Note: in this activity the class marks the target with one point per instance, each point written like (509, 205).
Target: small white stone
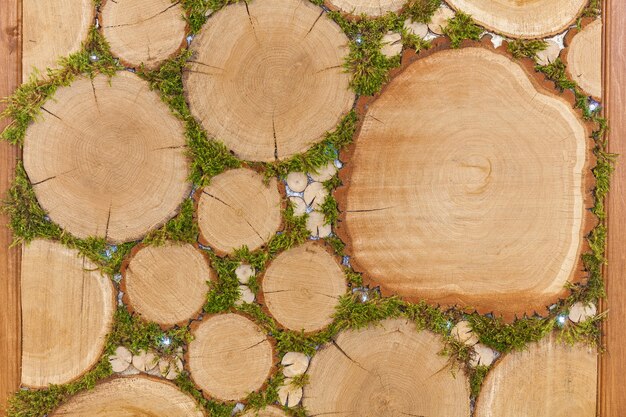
(392, 44)
(244, 272)
(581, 312)
(550, 54)
(440, 20)
(121, 359)
(316, 224)
(315, 194)
(295, 363)
(462, 331)
(299, 206)
(247, 296)
(288, 395)
(416, 28)
(239, 407)
(482, 355)
(297, 181)
(324, 173)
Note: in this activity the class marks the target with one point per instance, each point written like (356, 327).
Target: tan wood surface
(131, 397)
(238, 209)
(584, 59)
(481, 206)
(10, 309)
(373, 8)
(167, 284)
(302, 286)
(384, 371)
(522, 18)
(100, 165)
(53, 29)
(67, 311)
(143, 31)
(229, 357)
(266, 412)
(267, 77)
(549, 379)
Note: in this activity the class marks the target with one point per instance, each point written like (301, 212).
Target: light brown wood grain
(584, 59)
(267, 77)
(266, 412)
(100, 164)
(391, 369)
(372, 8)
(67, 311)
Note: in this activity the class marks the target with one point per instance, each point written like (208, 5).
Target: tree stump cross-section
(584, 58)
(372, 8)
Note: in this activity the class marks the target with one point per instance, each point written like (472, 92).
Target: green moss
(462, 27)
(477, 377)
(330, 209)
(351, 313)
(332, 183)
(504, 337)
(293, 234)
(354, 278)
(412, 41)
(588, 331)
(421, 10)
(214, 408)
(196, 11)
(182, 228)
(257, 259)
(430, 318)
(526, 48)
(556, 72)
(259, 400)
(223, 294)
(336, 244)
(593, 9)
(300, 381)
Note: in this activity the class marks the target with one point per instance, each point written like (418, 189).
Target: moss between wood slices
(209, 157)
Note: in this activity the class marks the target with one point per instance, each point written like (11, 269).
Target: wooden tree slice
(584, 59)
(482, 205)
(297, 181)
(100, 165)
(121, 360)
(67, 311)
(372, 8)
(167, 284)
(266, 412)
(289, 394)
(238, 209)
(52, 29)
(524, 19)
(549, 379)
(302, 286)
(143, 31)
(295, 363)
(387, 370)
(229, 357)
(131, 397)
(267, 77)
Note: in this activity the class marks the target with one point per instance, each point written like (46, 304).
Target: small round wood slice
(302, 286)
(549, 379)
(143, 31)
(522, 18)
(52, 29)
(385, 370)
(238, 209)
(372, 8)
(131, 397)
(266, 412)
(480, 206)
(229, 357)
(584, 59)
(67, 311)
(99, 162)
(167, 284)
(267, 77)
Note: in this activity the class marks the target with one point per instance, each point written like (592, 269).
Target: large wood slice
(522, 18)
(372, 8)
(238, 209)
(107, 158)
(52, 29)
(584, 58)
(229, 357)
(267, 77)
(131, 397)
(143, 31)
(466, 185)
(385, 370)
(549, 379)
(167, 284)
(266, 412)
(302, 286)
(67, 311)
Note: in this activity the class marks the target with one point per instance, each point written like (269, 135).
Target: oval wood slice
(267, 77)
(584, 59)
(167, 284)
(143, 31)
(131, 397)
(266, 412)
(100, 165)
(479, 206)
(522, 18)
(52, 29)
(238, 209)
(549, 379)
(229, 357)
(302, 286)
(372, 8)
(385, 370)
(67, 311)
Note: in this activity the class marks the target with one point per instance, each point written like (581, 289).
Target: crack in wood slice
(238, 209)
(374, 8)
(130, 397)
(229, 357)
(481, 206)
(266, 412)
(67, 311)
(267, 77)
(523, 19)
(302, 287)
(101, 165)
(584, 59)
(385, 370)
(51, 30)
(167, 284)
(549, 379)
(143, 31)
